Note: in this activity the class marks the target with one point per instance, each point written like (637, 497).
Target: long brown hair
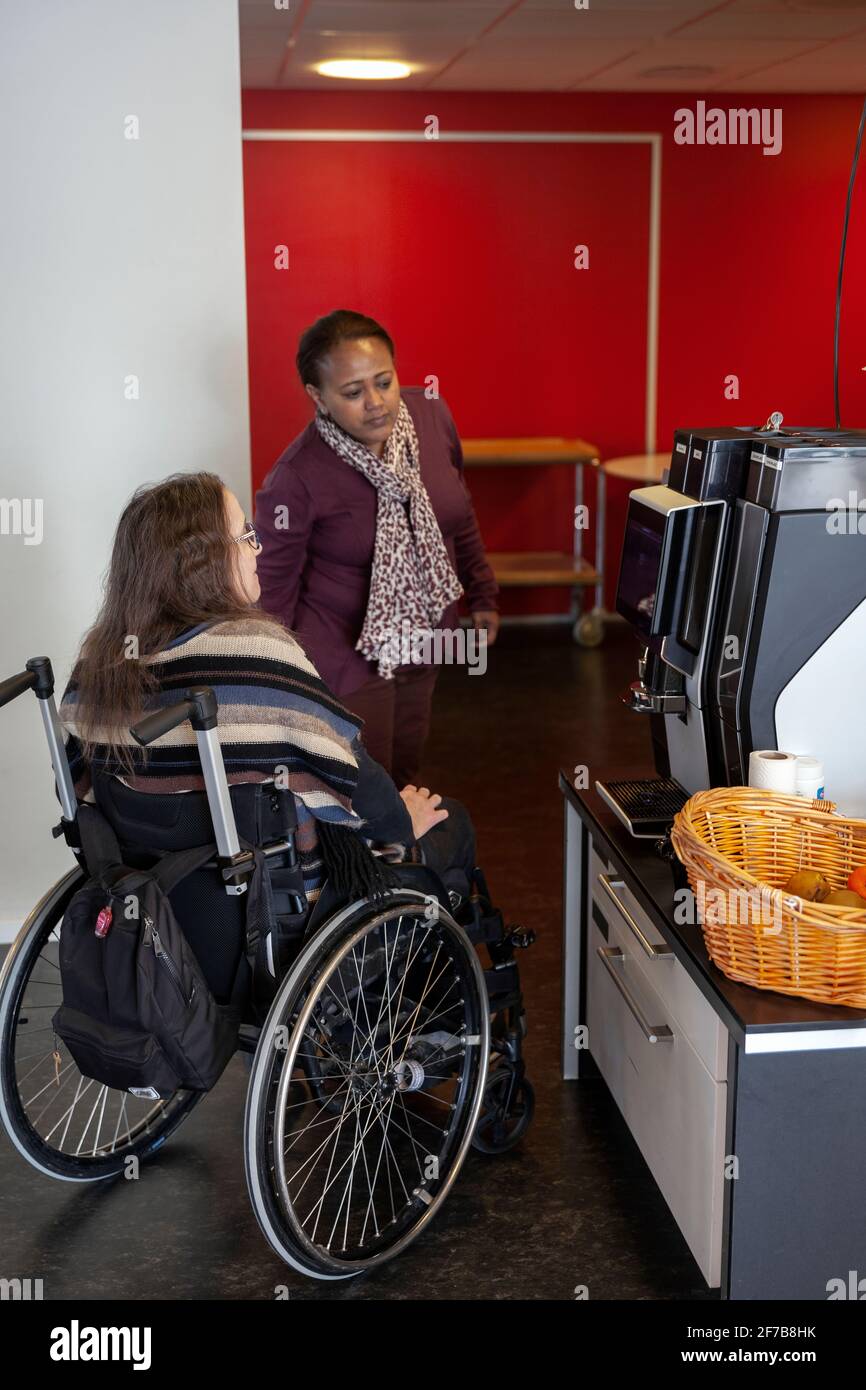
(172, 566)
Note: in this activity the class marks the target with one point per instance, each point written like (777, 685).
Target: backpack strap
(100, 846)
(260, 920)
(177, 865)
(174, 867)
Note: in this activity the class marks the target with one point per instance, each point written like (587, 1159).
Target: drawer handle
(654, 952)
(607, 955)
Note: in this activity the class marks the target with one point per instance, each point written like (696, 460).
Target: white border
(806, 1040)
(544, 137)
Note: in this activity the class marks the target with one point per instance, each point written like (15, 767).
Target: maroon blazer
(315, 568)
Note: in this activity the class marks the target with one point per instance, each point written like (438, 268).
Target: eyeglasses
(251, 535)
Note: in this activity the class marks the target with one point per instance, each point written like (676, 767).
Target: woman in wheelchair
(180, 610)
(382, 1047)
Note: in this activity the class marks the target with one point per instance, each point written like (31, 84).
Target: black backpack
(137, 1013)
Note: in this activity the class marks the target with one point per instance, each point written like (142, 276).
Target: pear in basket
(843, 897)
(808, 884)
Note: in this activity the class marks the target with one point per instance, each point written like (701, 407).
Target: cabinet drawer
(674, 1108)
(649, 955)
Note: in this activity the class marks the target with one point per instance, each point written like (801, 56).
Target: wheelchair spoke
(348, 1190)
(68, 1116)
(121, 1115)
(431, 1018)
(350, 1158)
(45, 960)
(328, 1182)
(371, 1206)
(316, 1154)
(100, 1105)
(40, 1057)
(49, 1084)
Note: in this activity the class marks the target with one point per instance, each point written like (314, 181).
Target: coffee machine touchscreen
(641, 562)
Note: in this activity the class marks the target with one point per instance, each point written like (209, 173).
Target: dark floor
(573, 1205)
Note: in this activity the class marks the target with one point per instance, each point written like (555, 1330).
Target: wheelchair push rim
(392, 1006)
(65, 1124)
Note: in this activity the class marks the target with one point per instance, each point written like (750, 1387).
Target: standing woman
(367, 526)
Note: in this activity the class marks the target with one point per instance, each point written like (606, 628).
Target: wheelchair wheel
(64, 1123)
(366, 1086)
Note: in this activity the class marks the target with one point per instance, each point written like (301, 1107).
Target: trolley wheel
(366, 1086)
(62, 1122)
(588, 631)
(509, 1105)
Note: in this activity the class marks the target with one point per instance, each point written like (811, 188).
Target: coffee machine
(743, 576)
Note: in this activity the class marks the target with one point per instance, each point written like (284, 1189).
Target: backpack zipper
(165, 959)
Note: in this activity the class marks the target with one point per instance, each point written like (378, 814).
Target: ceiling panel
(548, 45)
(687, 48)
(565, 22)
(517, 62)
(750, 20)
(423, 16)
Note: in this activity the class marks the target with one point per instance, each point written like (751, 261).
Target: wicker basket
(739, 846)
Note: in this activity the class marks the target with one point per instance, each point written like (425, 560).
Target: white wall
(119, 257)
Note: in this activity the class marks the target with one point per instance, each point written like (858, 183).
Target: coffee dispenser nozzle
(643, 701)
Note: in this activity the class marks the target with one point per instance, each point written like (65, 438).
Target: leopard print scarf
(413, 579)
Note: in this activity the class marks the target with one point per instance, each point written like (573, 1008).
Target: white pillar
(122, 258)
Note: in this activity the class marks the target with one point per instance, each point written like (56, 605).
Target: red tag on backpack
(103, 921)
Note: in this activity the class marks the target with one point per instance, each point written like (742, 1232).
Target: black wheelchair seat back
(148, 824)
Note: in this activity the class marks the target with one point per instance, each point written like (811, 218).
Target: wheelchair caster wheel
(588, 631)
(509, 1105)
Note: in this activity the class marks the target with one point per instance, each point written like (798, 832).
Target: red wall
(464, 252)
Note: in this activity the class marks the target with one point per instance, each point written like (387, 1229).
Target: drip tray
(646, 806)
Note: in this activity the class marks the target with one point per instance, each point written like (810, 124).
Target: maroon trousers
(396, 716)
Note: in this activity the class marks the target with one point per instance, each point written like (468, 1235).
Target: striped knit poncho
(274, 714)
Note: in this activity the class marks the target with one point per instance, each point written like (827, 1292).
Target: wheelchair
(382, 1046)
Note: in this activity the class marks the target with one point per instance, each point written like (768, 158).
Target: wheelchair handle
(14, 686)
(199, 707)
(39, 677)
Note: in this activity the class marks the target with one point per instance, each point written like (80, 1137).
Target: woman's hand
(486, 620)
(422, 807)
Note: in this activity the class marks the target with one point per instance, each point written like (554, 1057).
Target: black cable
(842, 265)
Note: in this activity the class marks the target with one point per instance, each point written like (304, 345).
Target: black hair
(324, 335)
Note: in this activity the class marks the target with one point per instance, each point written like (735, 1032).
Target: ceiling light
(368, 69)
